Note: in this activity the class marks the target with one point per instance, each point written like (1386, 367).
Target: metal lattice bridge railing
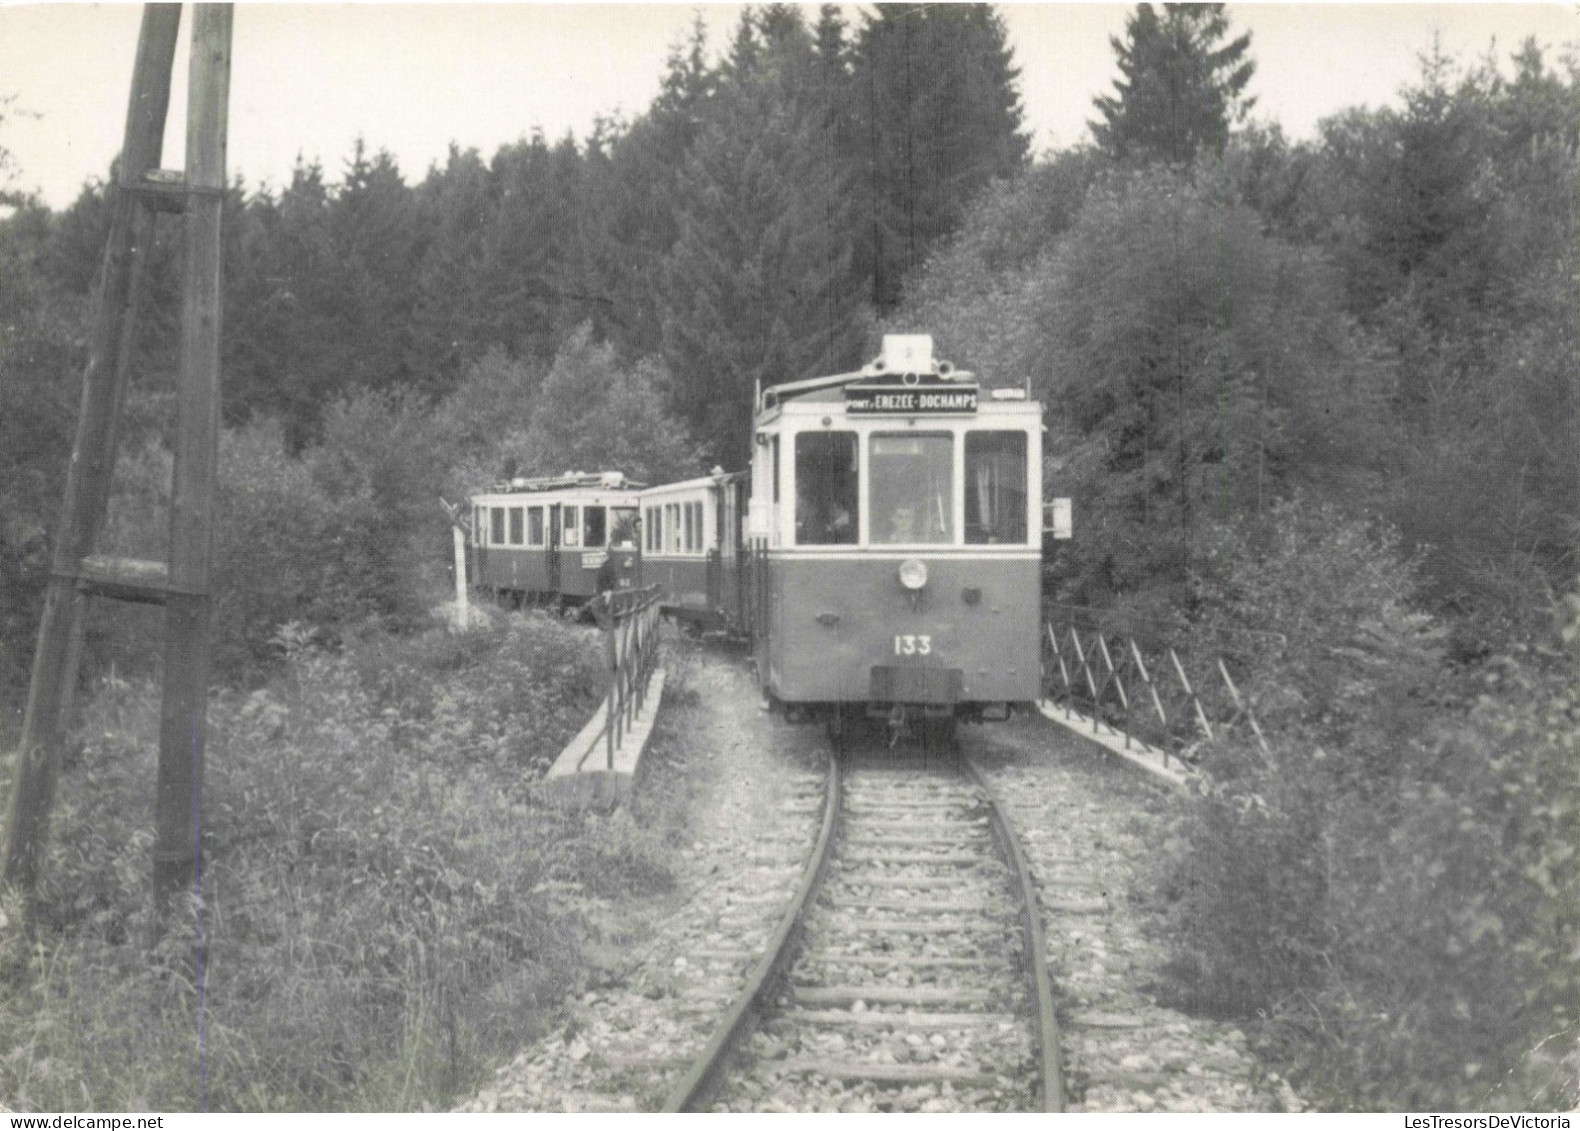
(1128, 679)
(630, 622)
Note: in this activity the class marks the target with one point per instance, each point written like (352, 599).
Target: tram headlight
(913, 573)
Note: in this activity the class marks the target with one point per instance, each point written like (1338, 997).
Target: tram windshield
(825, 485)
(912, 487)
(995, 487)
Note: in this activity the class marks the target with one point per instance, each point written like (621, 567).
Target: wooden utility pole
(183, 585)
(93, 454)
(184, 704)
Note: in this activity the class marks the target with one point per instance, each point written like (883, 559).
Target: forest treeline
(1326, 387)
(1381, 316)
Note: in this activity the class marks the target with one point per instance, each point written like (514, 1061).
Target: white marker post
(463, 615)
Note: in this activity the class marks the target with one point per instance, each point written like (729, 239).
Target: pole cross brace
(167, 190)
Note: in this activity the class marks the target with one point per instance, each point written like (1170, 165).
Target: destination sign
(924, 400)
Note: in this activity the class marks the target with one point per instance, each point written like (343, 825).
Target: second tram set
(884, 553)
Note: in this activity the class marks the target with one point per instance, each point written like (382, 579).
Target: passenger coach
(691, 537)
(895, 530)
(549, 538)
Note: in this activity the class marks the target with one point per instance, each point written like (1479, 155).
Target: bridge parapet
(1127, 686)
(600, 762)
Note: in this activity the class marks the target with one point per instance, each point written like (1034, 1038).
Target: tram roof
(906, 363)
(592, 480)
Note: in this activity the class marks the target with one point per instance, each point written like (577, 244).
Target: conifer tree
(455, 206)
(752, 290)
(939, 119)
(531, 270)
(370, 225)
(1181, 87)
(640, 198)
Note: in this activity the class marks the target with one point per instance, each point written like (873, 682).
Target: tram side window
(534, 526)
(911, 495)
(517, 531)
(691, 527)
(995, 488)
(701, 534)
(826, 486)
(593, 526)
(496, 526)
(624, 533)
(570, 526)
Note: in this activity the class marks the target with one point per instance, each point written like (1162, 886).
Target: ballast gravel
(755, 817)
(1089, 826)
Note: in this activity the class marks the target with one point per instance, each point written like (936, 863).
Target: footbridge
(1158, 696)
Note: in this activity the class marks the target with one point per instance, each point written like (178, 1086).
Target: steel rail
(1036, 944)
(703, 1076)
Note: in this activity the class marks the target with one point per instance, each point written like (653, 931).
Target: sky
(309, 79)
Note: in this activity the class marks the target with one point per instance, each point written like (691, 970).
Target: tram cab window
(624, 533)
(570, 526)
(517, 530)
(912, 497)
(594, 526)
(995, 488)
(479, 518)
(496, 526)
(534, 526)
(826, 486)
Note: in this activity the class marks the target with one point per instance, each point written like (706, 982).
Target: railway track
(907, 973)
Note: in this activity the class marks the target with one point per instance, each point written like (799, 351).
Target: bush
(1394, 887)
(384, 905)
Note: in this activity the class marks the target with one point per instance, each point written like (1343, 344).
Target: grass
(388, 908)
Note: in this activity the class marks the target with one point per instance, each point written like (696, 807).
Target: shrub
(1394, 887)
(383, 902)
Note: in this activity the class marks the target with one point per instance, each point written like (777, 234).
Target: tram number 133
(913, 645)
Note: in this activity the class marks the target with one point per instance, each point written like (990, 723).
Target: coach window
(593, 519)
(570, 526)
(534, 526)
(496, 526)
(624, 533)
(517, 528)
(995, 487)
(911, 498)
(825, 489)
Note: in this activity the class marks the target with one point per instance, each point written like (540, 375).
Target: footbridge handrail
(630, 620)
(1143, 688)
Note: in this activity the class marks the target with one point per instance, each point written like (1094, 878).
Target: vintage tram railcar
(691, 540)
(558, 538)
(896, 542)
